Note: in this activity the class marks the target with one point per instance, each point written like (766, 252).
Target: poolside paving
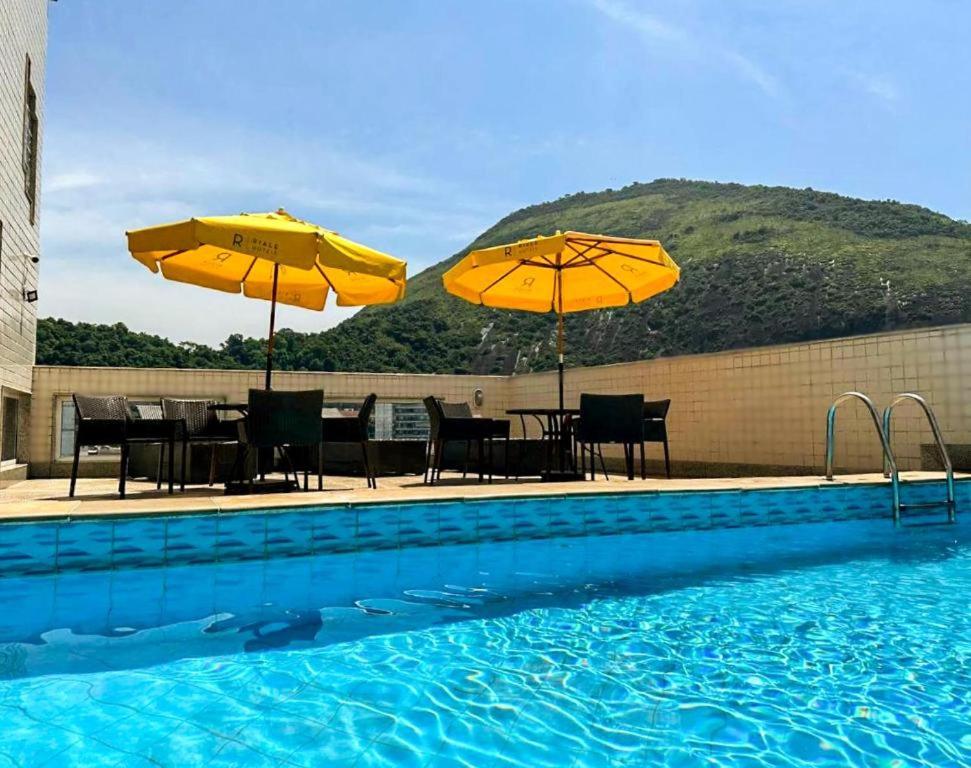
(48, 498)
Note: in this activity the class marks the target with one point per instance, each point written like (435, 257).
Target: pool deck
(48, 499)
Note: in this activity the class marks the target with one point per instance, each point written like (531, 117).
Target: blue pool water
(823, 644)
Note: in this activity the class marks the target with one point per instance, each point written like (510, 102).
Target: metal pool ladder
(949, 502)
(889, 461)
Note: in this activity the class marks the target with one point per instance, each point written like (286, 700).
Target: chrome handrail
(890, 463)
(938, 439)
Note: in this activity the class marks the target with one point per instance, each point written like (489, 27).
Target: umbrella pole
(559, 352)
(561, 450)
(269, 343)
(559, 331)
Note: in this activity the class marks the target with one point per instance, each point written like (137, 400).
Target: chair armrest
(146, 429)
(465, 427)
(342, 429)
(100, 422)
(223, 430)
(499, 427)
(464, 421)
(107, 431)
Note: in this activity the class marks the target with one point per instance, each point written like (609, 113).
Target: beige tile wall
(763, 409)
(767, 406)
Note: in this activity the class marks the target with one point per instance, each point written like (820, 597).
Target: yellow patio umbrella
(271, 256)
(565, 272)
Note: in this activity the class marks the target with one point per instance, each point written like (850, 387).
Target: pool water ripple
(822, 645)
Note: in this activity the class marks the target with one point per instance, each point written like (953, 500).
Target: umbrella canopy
(271, 256)
(566, 272)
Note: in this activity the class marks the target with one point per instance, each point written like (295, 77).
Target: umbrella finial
(285, 214)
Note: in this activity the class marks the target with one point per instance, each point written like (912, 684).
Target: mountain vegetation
(760, 265)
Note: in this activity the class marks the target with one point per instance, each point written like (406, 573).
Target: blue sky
(413, 125)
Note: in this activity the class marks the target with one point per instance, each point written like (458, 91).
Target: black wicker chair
(282, 420)
(108, 421)
(352, 429)
(500, 431)
(198, 424)
(610, 419)
(656, 431)
(147, 411)
(444, 429)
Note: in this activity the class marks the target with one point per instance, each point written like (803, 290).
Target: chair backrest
(456, 410)
(436, 415)
(147, 410)
(611, 418)
(111, 408)
(197, 415)
(283, 418)
(656, 409)
(367, 408)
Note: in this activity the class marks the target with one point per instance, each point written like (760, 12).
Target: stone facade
(23, 39)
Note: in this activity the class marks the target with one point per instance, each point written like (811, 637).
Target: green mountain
(760, 265)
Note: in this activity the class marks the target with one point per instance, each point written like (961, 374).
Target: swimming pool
(826, 644)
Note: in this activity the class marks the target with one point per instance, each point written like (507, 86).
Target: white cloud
(754, 73)
(647, 24)
(688, 42)
(879, 86)
(100, 186)
(72, 180)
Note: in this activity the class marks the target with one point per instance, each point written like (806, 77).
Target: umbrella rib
(593, 244)
(502, 277)
(579, 254)
(636, 258)
(174, 253)
(607, 250)
(623, 255)
(326, 279)
(248, 270)
(626, 289)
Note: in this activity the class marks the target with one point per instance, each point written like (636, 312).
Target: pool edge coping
(209, 505)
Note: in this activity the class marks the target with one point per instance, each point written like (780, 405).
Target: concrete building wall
(23, 34)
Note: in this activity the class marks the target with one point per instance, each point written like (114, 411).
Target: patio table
(241, 408)
(229, 407)
(264, 458)
(167, 430)
(553, 423)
